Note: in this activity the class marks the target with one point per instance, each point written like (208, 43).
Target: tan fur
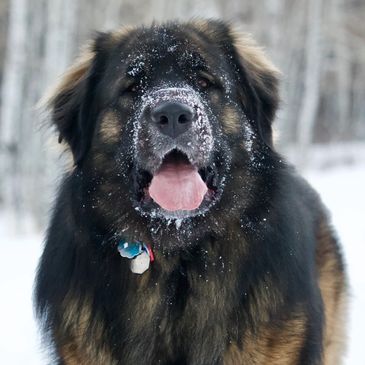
(262, 73)
(110, 128)
(253, 55)
(78, 70)
(266, 296)
(77, 318)
(332, 284)
(118, 34)
(69, 355)
(274, 346)
(282, 345)
(73, 355)
(231, 123)
(203, 25)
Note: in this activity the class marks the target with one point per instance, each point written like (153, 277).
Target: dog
(180, 235)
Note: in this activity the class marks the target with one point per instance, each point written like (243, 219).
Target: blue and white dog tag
(139, 253)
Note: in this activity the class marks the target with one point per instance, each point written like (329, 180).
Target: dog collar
(139, 253)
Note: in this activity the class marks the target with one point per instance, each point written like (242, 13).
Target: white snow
(342, 190)
(19, 338)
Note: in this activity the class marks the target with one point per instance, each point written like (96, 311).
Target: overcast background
(319, 45)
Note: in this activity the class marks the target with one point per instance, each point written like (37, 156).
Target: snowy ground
(342, 190)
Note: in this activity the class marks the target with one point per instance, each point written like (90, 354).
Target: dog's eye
(204, 83)
(132, 88)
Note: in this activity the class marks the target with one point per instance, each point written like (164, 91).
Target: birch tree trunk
(38, 49)
(309, 107)
(12, 100)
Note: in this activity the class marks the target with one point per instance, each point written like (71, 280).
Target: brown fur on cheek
(230, 120)
(110, 128)
(105, 142)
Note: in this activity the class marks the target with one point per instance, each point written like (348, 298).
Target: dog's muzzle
(173, 151)
(172, 118)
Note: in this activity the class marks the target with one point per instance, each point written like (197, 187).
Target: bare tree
(309, 108)
(12, 99)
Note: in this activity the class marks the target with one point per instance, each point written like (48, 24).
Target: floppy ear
(258, 82)
(72, 104)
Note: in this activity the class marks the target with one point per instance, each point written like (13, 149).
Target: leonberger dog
(180, 236)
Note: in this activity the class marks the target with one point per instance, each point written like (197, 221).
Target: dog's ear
(256, 76)
(258, 83)
(72, 102)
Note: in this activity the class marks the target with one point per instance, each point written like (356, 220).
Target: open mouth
(178, 187)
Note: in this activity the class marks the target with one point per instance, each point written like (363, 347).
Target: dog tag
(130, 249)
(140, 263)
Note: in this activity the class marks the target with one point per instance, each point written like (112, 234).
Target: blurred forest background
(319, 45)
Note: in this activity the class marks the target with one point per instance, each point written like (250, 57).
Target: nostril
(172, 118)
(163, 120)
(183, 118)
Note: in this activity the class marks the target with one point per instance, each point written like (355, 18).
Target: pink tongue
(177, 186)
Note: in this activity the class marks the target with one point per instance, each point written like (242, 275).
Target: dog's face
(167, 120)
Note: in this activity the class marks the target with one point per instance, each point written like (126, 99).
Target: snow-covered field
(342, 190)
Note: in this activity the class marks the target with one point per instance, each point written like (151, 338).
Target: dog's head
(164, 117)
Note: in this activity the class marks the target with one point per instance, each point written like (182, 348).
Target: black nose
(172, 118)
